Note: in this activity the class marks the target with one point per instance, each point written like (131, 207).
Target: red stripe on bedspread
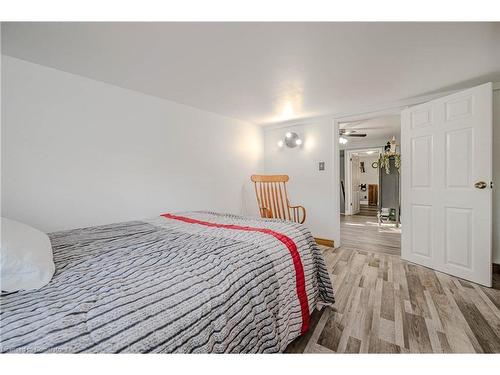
(287, 241)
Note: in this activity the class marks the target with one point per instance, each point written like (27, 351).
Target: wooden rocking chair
(273, 201)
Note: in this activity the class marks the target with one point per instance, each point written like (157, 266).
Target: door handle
(480, 185)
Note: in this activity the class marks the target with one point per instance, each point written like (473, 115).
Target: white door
(355, 178)
(446, 170)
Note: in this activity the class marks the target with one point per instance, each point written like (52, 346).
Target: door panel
(458, 246)
(421, 118)
(459, 158)
(421, 221)
(421, 159)
(445, 149)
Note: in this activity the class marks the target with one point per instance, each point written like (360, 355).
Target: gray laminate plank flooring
(359, 232)
(387, 305)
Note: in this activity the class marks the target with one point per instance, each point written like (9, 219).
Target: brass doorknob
(480, 185)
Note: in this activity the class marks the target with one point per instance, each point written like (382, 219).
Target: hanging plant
(384, 161)
(397, 162)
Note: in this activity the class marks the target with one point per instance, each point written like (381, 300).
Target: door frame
(348, 176)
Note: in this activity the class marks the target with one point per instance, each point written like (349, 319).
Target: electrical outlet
(321, 165)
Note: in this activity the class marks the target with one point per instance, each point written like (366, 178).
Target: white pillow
(26, 257)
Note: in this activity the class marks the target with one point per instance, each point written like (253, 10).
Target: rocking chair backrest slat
(272, 198)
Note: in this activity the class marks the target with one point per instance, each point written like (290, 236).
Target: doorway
(446, 166)
(362, 181)
(368, 203)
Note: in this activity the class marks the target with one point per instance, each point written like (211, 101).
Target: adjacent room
(370, 184)
(250, 187)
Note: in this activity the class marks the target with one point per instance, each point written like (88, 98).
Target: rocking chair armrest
(303, 212)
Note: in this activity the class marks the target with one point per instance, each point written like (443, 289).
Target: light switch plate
(321, 165)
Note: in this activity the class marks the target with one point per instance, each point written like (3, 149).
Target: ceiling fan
(350, 133)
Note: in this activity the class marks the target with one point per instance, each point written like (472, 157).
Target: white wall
(308, 186)
(371, 174)
(496, 176)
(78, 152)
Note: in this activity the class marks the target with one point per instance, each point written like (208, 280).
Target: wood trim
(325, 242)
(496, 268)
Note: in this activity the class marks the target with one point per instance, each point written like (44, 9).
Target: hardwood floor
(363, 233)
(387, 305)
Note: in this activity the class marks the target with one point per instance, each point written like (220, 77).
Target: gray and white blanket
(195, 282)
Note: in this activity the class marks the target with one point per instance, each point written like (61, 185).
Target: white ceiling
(267, 72)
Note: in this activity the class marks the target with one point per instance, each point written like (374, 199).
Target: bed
(192, 282)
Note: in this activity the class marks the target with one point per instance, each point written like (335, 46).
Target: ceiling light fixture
(343, 140)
